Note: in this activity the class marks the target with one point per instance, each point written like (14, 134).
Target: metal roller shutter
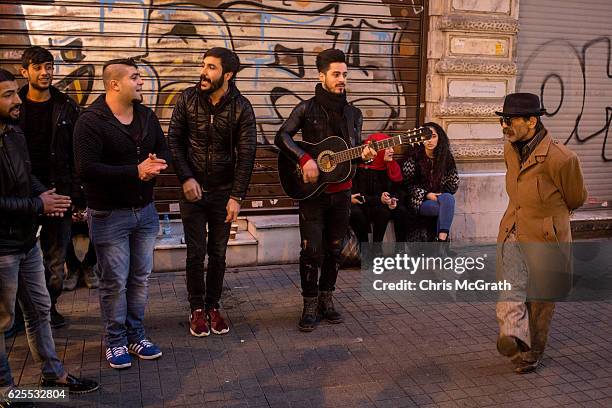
(277, 41)
(564, 55)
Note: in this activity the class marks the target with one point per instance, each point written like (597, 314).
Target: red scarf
(393, 169)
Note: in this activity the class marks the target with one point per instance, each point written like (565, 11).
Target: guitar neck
(355, 152)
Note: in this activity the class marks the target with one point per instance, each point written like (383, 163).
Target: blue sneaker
(118, 357)
(145, 349)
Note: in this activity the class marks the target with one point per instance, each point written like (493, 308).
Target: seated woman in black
(430, 182)
(372, 194)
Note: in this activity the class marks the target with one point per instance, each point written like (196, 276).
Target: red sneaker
(198, 325)
(217, 322)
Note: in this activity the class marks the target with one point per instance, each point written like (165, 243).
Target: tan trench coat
(543, 192)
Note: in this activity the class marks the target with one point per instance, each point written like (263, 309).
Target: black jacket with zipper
(314, 122)
(215, 144)
(62, 174)
(107, 157)
(19, 191)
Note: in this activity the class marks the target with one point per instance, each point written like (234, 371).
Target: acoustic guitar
(334, 159)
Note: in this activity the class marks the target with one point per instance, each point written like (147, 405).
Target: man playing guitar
(324, 218)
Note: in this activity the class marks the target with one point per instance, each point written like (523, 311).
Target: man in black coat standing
(22, 277)
(119, 149)
(213, 139)
(47, 119)
(324, 219)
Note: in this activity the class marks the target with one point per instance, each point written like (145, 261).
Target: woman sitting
(430, 180)
(373, 195)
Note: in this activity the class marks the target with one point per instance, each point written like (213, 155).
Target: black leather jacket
(313, 120)
(62, 174)
(19, 202)
(214, 144)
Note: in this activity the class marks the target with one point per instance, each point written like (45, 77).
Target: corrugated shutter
(564, 55)
(276, 40)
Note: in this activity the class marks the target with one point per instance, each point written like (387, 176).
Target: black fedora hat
(522, 104)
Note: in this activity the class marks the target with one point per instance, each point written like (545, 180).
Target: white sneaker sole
(152, 357)
(126, 365)
(194, 334)
(220, 332)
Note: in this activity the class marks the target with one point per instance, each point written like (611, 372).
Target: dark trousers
(54, 238)
(324, 221)
(361, 218)
(211, 210)
(72, 261)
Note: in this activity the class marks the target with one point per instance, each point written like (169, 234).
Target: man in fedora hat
(544, 184)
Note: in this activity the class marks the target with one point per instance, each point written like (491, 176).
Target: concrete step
(278, 237)
(170, 252)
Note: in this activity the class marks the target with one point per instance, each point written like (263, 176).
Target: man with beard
(324, 219)
(22, 276)
(119, 149)
(213, 139)
(47, 119)
(544, 184)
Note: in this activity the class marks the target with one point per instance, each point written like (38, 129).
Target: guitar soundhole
(325, 161)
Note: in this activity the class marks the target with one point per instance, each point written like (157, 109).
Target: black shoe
(508, 346)
(525, 367)
(16, 404)
(90, 278)
(71, 280)
(326, 307)
(57, 320)
(443, 249)
(309, 315)
(74, 385)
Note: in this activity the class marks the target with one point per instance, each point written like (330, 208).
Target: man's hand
(192, 190)
(432, 196)
(356, 198)
(310, 172)
(54, 205)
(151, 167)
(368, 153)
(233, 208)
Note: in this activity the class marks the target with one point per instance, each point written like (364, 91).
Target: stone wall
(471, 67)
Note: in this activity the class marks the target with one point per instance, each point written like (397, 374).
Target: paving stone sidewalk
(388, 353)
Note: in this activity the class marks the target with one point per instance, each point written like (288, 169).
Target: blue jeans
(22, 276)
(444, 209)
(124, 240)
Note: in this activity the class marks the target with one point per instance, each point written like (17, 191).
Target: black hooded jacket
(107, 157)
(215, 144)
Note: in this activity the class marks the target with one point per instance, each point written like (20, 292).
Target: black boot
(326, 307)
(444, 247)
(309, 315)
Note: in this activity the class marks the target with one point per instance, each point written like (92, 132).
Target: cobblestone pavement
(388, 353)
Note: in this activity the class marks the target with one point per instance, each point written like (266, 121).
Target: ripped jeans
(324, 222)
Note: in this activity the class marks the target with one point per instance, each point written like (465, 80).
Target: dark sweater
(107, 157)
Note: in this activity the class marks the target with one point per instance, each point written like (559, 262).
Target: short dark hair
(35, 55)
(6, 75)
(329, 56)
(229, 59)
(120, 61)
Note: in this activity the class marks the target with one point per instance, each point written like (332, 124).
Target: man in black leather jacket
(213, 139)
(22, 198)
(324, 219)
(47, 119)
